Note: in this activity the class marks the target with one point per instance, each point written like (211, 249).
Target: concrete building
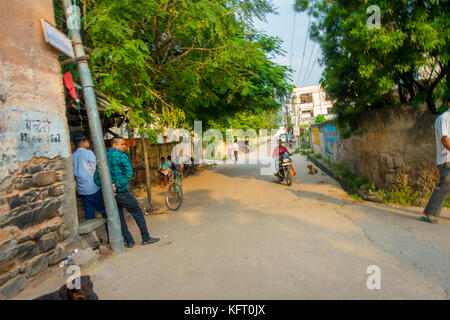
(309, 102)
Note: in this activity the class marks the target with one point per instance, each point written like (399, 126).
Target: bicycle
(174, 197)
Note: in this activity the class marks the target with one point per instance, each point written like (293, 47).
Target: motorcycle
(284, 169)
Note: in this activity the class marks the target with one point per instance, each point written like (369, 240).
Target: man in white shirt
(437, 200)
(236, 150)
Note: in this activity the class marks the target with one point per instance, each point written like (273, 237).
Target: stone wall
(394, 146)
(38, 219)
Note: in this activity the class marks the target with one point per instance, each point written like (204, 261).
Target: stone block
(63, 233)
(9, 275)
(34, 169)
(55, 166)
(23, 184)
(391, 178)
(27, 198)
(44, 211)
(12, 287)
(398, 162)
(40, 230)
(56, 191)
(16, 201)
(6, 265)
(389, 161)
(37, 265)
(45, 178)
(47, 242)
(26, 251)
(57, 255)
(8, 250)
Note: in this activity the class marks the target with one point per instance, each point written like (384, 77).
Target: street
(242, 235)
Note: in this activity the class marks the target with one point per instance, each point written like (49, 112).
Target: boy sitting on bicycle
(164, 167)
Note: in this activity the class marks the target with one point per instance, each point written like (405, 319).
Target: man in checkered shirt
(121, 173)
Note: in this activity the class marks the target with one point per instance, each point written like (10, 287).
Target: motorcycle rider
(278, 152)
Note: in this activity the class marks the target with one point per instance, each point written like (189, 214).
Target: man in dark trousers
(84, 164)
(121, 173)
(440, 193)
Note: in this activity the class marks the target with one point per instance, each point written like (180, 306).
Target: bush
(320, 118)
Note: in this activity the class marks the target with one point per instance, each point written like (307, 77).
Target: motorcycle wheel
(288, 176)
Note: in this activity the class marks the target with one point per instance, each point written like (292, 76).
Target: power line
(304, 50)
(309, 62)
(292, 41)
(316, 60)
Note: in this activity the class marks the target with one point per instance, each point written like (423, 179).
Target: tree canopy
(406, 60)
(175, 61)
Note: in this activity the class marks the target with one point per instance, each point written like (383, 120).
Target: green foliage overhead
(173, 62)
(404, 61)
(245, 121)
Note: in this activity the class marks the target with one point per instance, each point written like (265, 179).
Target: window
(306, 98)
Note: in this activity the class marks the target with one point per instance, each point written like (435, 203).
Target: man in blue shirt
(84, 165)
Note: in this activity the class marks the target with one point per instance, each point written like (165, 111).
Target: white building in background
(309, 102)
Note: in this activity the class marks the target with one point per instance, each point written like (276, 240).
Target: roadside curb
(347, 188)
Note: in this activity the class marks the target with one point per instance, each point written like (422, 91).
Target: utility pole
(114, 228)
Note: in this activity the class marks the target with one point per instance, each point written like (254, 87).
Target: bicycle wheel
(174, 197)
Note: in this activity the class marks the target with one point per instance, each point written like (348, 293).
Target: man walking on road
(437, 200)
(121, 172)
(84, 164)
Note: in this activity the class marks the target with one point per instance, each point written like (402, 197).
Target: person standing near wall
(121, 173)
(236, 150)
(84, 165)
(437, 200)
(230, 151)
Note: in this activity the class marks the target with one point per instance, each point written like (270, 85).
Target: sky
(282, 26)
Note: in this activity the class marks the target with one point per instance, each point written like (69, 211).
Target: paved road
(241, 235)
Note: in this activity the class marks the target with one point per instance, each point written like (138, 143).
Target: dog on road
(312, 170)
(86, 292)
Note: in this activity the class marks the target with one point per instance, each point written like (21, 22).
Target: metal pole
(114, 228)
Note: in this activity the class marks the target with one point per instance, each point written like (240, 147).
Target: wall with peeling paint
(38, 218)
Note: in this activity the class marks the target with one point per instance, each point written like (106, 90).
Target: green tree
(168, 63)
(406, 60)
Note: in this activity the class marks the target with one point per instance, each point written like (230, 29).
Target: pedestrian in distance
(230, 151)
(121, 173)
(437, 200)
(84, 165)
(236, 150)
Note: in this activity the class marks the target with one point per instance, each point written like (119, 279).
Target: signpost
(57, 39)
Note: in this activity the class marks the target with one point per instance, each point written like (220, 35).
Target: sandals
(429, 220)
